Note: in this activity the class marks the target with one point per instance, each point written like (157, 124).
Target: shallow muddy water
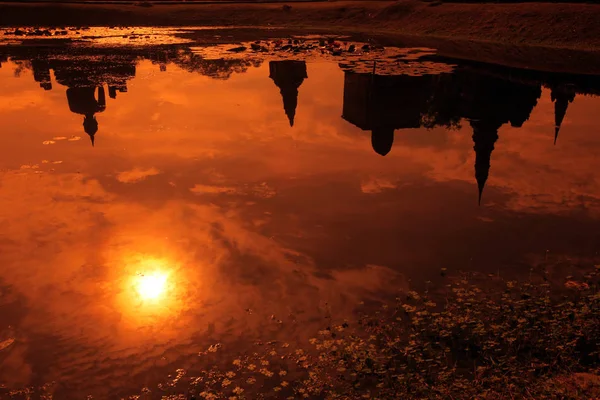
(157, 200)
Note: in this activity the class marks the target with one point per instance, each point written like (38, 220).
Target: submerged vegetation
(512, 340)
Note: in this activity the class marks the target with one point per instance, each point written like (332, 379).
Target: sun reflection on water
(151, 281)
(151, 286)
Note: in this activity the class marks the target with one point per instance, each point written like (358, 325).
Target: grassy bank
(467, 337)
(571, 26)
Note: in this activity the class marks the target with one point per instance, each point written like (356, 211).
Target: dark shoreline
(557, 25)
(551, 37)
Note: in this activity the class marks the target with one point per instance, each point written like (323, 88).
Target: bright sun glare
(151, 286)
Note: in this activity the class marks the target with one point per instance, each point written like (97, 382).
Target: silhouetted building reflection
(113, 89)
(382, 104)
(488, 97)
(161, 58)
(89, 70)
(288, 75)
(83, 101)
(561, 95)
(85, 78)
(41, 73)
(489, 102)
(485, 134)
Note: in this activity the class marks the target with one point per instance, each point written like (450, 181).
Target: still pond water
(156, 202)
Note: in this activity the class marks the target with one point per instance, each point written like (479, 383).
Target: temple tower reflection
(381, 104)
(561, 96)
(83, 101)
(288, 75)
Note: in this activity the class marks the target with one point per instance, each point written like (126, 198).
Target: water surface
(270, 192)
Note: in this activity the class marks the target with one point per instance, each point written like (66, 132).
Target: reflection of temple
(561, 95)
(485, 134)
(161, 58)
(82, 100)
(288, 76)
(85, 79)
(41, 73)
(489, 103)
(88, 71)
(486, 96)
(382, 104)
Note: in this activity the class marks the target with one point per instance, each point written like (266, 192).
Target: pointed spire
(90, 126)
(290, 102)
(485, 135)
(561, 98)
(560, 110)
(561, 104)
(288, 75)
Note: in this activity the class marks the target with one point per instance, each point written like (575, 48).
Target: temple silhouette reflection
(83, 101)
(384, 104)
(489, 102)
(562, 96)
(89, 75)
(85, 79)
(480, 96)
(41, 73)
(288, 75)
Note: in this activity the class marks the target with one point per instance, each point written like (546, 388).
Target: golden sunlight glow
(151, 286)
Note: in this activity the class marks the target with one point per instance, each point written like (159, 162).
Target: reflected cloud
(208, 189)
(136, 174)
(377, 185)
(261, 190)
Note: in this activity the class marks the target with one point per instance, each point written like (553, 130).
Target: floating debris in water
(238, 49)
(387, 67)
(356, 57)
(6, 343)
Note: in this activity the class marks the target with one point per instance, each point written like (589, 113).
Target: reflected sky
(200, 215)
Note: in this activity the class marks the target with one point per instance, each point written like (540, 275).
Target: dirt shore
(573, 26)
(553, 37)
